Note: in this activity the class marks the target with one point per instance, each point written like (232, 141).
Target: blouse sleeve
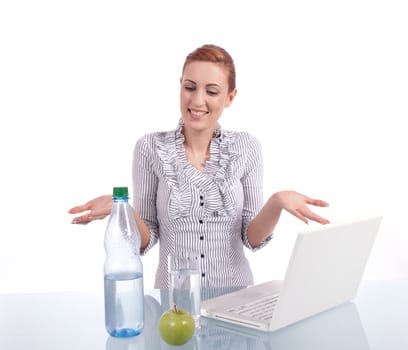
(252, 185)
(145, 189)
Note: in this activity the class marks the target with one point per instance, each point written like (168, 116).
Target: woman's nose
(199, 98)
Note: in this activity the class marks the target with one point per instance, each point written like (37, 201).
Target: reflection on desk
(339, 328)
(376, 319)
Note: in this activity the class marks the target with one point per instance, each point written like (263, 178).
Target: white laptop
(324, 271)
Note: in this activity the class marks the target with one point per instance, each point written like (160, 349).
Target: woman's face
(204, 94)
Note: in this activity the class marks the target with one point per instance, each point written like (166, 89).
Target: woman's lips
(196, 115)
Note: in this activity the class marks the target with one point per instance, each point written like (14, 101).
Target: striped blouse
(206, 213)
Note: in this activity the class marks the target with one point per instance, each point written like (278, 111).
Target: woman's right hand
(98, 208)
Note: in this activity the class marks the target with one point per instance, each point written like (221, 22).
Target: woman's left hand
(297, 204)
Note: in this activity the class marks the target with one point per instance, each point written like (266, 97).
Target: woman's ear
(231, 97)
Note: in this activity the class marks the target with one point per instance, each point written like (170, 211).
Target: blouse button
(203, 274)
(201, 237)
(200, 221)
(202, 256)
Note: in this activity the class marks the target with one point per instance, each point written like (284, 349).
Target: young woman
(199, 187)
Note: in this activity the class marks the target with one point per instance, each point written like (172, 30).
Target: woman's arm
(143, 230)
(99, 208)
(262, 226)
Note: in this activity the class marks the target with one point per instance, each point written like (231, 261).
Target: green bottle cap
(120, 192)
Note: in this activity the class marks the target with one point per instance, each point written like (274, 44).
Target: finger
(317, 202)
(79, 209)
(312, 216)
(299, 215)
(320, 220)
(82, 220)
(97, 217)
(98, 214)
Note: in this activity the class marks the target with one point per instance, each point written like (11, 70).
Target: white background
(322, 84)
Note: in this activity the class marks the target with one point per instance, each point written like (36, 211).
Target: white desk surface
(376, 319)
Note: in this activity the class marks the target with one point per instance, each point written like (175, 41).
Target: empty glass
(184, 283)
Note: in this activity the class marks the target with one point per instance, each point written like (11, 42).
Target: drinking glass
(184, 283)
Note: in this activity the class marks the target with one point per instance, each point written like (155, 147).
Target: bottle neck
(120, 199)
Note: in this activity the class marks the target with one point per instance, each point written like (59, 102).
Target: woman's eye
(189, 88)
(212, 93)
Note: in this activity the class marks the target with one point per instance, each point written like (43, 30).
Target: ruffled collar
(180, 173)
(180, 126)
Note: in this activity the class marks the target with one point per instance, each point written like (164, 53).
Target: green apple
(176, 326)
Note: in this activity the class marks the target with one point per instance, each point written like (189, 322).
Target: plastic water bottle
(123, 270)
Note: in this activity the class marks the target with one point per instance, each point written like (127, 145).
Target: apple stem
(175, 309)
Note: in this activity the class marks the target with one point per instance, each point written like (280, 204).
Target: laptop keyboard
(261, 309)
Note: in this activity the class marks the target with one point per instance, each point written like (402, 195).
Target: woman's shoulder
(155, 136)
(155, 141)
(241, 138)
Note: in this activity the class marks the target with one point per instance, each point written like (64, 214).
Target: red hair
(215, 54)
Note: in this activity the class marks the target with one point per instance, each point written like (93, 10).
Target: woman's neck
(197, 148)
(198, 142)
